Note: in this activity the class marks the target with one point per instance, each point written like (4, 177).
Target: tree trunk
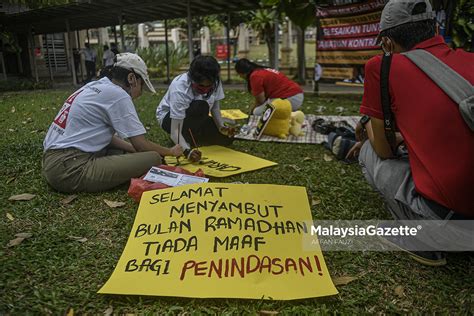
(271, 53)
(301, 55)
(135, 26)
(270, 40)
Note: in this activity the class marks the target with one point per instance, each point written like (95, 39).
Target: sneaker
(341, 146)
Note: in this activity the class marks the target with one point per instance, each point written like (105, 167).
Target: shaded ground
(50, 273)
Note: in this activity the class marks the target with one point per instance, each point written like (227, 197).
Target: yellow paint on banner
(234, 114)
(337, 73)
(218, 161)
(224, 241)
(349, 84)
(346, 57)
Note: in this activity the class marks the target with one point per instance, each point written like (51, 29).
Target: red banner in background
(364, 43)
(358, 30)
(348, 38)
(222, 52)
(351, 9)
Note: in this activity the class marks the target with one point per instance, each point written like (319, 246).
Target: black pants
(90, 68)
(202, 126)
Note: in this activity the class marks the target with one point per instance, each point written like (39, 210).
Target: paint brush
(192, 137)
(179, 133)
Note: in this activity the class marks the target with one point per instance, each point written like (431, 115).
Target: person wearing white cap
(406, 103)
(85, 147)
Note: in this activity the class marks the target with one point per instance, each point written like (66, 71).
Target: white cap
(398, 12)
(135, 63)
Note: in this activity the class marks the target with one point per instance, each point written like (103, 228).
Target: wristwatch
(364, 120)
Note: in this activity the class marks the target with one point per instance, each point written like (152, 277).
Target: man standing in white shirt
(108, 57)
(90, 57)
(82, 144)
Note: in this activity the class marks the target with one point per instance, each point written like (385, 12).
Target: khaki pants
(392, 179)
(72, 170)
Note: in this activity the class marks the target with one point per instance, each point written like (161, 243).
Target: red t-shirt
(439, 142)
(273, 83)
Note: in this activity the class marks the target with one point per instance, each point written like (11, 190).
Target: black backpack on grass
(340, 138)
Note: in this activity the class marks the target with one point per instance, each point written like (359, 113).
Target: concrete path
(324, 88)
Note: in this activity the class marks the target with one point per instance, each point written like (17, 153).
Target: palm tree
(263, 22)
(303, 14)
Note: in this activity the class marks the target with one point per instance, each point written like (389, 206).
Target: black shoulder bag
(388, 118)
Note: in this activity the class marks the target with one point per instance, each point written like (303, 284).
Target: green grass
(50, 273)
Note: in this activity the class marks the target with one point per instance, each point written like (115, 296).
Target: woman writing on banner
(184, 110)
(85, 150)
(266, 83)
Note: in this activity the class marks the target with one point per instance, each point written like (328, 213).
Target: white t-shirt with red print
(91, 116)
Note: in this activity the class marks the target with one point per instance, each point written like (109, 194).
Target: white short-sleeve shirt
(179, 96)
(89, 54)
(91, 116)
(109, 57)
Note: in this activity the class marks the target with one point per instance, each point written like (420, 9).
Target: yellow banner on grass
(234, 114)
(218, 161)
(222, 240)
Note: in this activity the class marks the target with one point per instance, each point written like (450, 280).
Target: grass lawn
(50, 273)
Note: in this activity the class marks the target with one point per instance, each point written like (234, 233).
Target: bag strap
(452, 83)
(388, 118)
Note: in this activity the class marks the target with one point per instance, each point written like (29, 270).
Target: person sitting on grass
(437, 181)
(84, 148)
(266, 84)
(184, 110)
